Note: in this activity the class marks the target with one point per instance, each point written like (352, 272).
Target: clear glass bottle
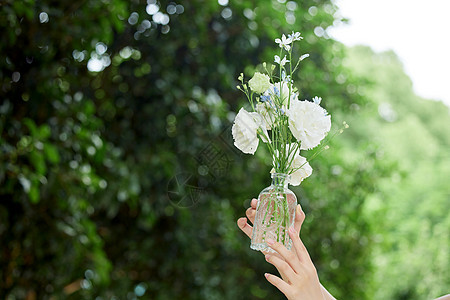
(275, 213)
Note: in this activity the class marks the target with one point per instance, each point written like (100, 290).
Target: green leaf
(51, 153)
(44, 132)
(31, 125)
(34, 192)
(89, 108)
(38, 161)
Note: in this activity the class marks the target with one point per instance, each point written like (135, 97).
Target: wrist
(326, 294)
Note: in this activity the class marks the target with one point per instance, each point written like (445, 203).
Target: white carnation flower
(303, 172)
(245, 131)
(308, 122)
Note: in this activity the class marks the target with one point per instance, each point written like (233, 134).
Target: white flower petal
(277, 59)
(244, 132)
(267, 113)
(302, 170)
(295, 36)
(304, 56)
(261, 130)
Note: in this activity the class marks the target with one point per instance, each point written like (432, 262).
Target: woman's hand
(301, 282)
(299, 276)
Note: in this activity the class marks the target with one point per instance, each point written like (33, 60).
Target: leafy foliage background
(90, 160)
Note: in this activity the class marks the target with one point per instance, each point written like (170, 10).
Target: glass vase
(275, 213)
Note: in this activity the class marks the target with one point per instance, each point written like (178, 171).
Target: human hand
(299, 218)
(299, 276)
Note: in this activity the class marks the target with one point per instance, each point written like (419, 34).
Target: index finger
(289, 256)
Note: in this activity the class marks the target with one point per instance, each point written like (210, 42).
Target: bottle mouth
(281, 176)
(280, 179)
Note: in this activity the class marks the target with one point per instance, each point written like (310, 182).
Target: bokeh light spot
(226, 13)
(152, 9)
(134, 18)
(43, 17)
(100, 48)
(15, 76)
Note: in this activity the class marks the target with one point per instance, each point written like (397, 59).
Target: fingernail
(299, 209)
(266, 275)
(270, 242)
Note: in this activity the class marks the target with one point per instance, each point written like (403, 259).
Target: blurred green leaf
(43, 132)
(34, 192)
(51, 153)
(38, 161)
(31, 126)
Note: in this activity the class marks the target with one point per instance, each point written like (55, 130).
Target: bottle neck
(280, 180)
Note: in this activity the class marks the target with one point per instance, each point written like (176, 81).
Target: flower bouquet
(286, 125)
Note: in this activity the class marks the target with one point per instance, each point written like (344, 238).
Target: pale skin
(299, 279)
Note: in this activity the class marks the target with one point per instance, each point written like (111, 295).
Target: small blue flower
(276, 91)
(317, 100)
(264, 98)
